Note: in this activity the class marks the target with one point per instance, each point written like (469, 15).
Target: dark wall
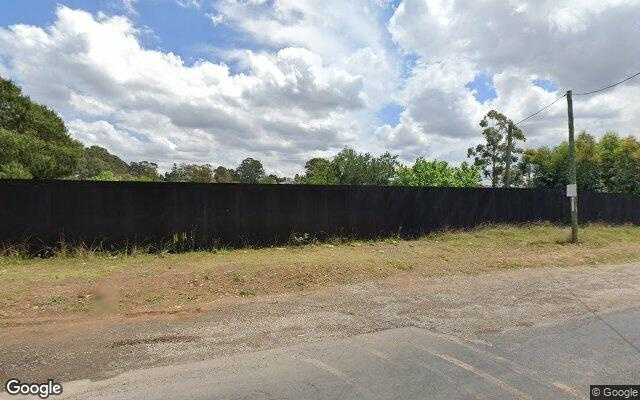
(117, 213)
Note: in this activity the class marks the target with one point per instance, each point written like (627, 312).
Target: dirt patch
(460, 305)
(154, 340)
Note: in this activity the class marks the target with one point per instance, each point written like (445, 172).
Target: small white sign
(572, 190)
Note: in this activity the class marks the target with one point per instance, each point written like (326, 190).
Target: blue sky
(287, 80)
(483, 88)
(188, 32)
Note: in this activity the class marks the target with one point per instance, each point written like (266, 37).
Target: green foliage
(353, 168)
(549, 166)
(271, 179)
(106, 176)
(40, 158)
(34, 137)
(13, 170)
(438, 174)
(319, 171)
(626, 167)
(586, 159)
(223, 175)
(190, 173)
(491, 156)
(249, 171)
(19, 114)
(525, 169)
(607, 147)
(611, 164)
(144, 171)
(98, 160)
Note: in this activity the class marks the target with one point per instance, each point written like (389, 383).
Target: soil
(70, 347)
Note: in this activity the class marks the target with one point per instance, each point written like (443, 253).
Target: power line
(542, 109)
(578, 94)
(607, 87)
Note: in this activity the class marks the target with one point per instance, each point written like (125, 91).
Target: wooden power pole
(572, 187)
(507, 171)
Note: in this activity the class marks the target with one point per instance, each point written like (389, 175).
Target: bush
(437, 174)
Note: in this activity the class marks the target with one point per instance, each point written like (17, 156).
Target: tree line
(99, 164)
(35, 143)
(348, 167)
(610, 164)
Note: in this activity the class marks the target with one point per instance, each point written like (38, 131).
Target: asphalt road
(553, 361)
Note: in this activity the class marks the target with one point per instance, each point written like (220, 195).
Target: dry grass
(92, 282)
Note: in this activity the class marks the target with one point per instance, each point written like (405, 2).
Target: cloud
(351, 35)
(129, 6)
(317, 26)
(571, 43)
(318, 74)
(150, 104)
(189, 3)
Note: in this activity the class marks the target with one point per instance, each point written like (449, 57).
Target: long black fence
(117, 214)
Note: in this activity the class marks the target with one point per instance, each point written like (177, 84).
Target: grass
(90, 281)
(248, 292)
(56, 299)
(155, 298)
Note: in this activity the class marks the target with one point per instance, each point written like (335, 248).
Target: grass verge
(93, 282)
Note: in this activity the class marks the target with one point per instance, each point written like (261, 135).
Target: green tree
(106, 176)
(34, 137)
(13, 170)
(587, 161)
(607, 152)
(201, 173)
(550, 166)
(144, 171)
(250, 171)
(438, 174)
(271, 179)
(611, 164)
(190, 173)
(626, 176)
(491, 156)
(175, 175)
(97, 160)
(223, 175)
(525, 168)
(319, 171)
(353, 168)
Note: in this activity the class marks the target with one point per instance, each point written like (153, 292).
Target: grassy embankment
(99, 283)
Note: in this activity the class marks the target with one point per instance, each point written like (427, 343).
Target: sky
(216, 81)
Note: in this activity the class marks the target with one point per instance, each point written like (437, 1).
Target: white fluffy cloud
(581, 44)
(331, 28)
(150, 104)
(575, 42)
(320, 72)
(440, 113)
(350, 35)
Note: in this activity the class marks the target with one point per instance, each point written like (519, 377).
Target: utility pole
(507, 172)
(572, 187)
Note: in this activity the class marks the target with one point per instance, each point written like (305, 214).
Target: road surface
(526, 333)
(551, 361)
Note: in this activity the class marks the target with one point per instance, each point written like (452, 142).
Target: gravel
(459, 305)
